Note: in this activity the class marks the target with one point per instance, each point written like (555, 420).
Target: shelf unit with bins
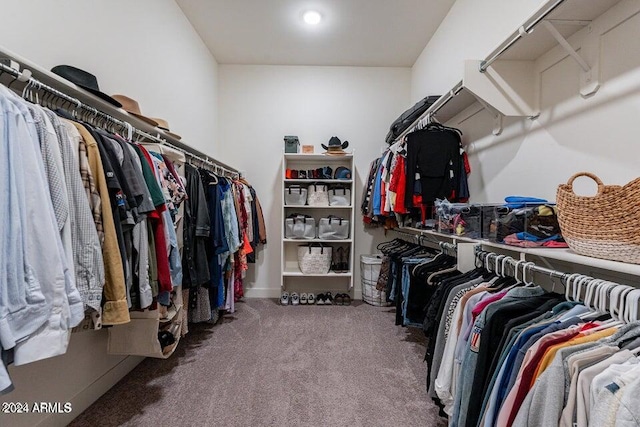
(292, 279)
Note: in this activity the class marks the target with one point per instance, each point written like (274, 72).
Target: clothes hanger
(25, 89)
(578, 288)
(591, 301)
(590, 287)
(437, 125)
(384, 245)
(570, 289)
(504, 263)
(604, 296)
(497, 264)
(13, 80)
(617, 300)
(214, 178)
(432, 277)
(631, 305)
(516, 268)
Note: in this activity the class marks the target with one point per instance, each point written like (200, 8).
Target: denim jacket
(45, 253)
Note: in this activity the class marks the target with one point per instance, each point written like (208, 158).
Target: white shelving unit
(292, 279)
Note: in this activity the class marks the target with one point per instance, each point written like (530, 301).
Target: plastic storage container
(539, 220)
(460, 219)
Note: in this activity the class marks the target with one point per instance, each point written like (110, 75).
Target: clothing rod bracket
(498, 117)
(589, 84)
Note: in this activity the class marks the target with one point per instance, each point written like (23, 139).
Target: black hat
(83, 79)
(335, 146)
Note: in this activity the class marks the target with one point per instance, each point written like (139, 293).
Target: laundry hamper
(602, 226)
(369, 271)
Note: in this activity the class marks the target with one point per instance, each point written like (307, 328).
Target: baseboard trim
(275, 293)
(85, 398)
(262, 293)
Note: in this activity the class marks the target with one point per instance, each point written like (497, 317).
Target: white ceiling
(386, 33)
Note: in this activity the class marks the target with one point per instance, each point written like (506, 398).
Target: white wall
(145, 49)
(471, 30)
(572, 134)
(261, 104)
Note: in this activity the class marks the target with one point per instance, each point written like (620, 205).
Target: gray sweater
(544, 402)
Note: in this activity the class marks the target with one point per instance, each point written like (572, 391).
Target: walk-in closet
(320, 213)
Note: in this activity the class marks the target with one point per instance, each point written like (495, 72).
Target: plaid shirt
(88, 181)
(87, 252)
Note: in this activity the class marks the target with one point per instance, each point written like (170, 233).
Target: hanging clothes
(503, 354)
(99, 227)
(402, 185)
(115, 309)
(41, 302)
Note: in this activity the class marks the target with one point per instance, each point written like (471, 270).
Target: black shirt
(195, 268)
(435, 155)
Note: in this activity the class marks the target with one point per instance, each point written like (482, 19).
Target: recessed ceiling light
(312, 17)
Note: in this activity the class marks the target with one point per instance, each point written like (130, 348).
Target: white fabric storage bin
(333, 228)
(314, 258)
(295, 195)
(299, 226)
(339, 196)
(318, 195)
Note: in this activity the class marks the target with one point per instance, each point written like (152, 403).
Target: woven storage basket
(369, 271)
(606, 225)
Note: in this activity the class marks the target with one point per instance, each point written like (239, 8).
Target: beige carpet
(269, 365)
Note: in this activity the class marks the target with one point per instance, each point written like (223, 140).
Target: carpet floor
(269, 365)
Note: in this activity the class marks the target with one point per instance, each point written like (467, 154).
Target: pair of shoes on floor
(295, 299)
(343, 299)
(324, 299)
(307, 298)
(340, 260)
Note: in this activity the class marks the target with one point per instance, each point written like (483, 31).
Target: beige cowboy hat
(132, 107)
(164, 125)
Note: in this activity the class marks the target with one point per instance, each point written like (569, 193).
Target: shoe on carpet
(284, 298)
(295, 299)
(320, 299)
(328, 298)
(303, 298)
(311, 298)
(346, 299)
(338, 299)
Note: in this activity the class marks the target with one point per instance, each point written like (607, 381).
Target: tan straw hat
(164, 125)
(131, 106)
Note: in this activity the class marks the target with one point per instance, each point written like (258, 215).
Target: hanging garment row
(405, 268)
(94, 226)
(504, 352)
(428, 164)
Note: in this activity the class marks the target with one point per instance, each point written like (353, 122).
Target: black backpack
(408, 117)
